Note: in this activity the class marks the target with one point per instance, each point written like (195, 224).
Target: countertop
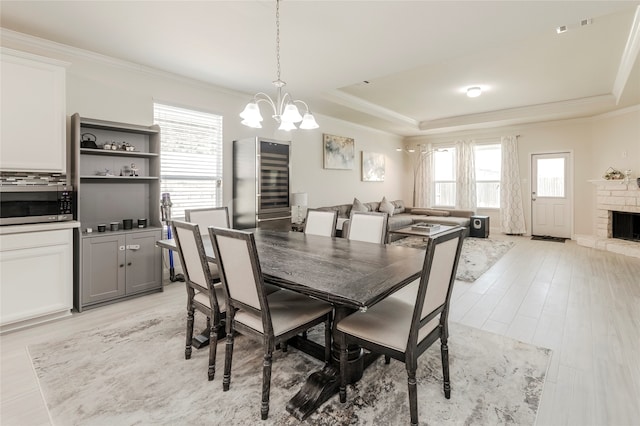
(37, 227)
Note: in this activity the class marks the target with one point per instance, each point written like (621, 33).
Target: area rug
(133, 372)
(477, 256)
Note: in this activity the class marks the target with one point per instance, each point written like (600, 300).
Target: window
(191, 157)
(444, 177)
(488, 159)
(550, 181)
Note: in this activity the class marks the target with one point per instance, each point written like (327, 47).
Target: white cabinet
(36, 276)
(33, 119)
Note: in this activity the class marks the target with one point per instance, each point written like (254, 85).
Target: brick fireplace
(613, 196)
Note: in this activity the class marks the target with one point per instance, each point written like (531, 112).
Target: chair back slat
(321, 222)
(368, 226)
(240, 270)
(216, 216)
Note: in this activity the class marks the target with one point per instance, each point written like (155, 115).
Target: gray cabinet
(113, 185)
(118, 265)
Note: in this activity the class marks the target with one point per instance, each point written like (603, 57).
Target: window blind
(191, 157)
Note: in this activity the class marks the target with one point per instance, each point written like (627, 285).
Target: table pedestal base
(322, 385)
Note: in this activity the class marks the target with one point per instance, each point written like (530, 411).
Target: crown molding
(529, 114)
(358, 104)
(629, 56)
(616, 113)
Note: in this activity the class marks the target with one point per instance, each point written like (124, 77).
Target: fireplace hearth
(625, 225)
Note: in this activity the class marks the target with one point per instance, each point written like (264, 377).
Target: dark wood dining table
(351, 275)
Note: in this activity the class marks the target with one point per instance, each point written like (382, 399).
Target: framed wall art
(339, 152)
(372, 167)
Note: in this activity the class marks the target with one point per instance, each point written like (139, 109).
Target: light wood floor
(582, 303)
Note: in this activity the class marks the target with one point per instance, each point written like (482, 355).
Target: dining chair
(206, 217)
(269, 318)
(406, 323)
(368, 226)
(205, 292)
(321, 222)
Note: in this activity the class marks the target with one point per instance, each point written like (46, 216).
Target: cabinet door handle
(122, 265)
(133, 247)
(121, 248)
(129, 264)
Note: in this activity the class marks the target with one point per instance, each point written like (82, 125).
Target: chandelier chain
(278, 38)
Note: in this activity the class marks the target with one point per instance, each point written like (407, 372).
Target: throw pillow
(386, 206)
(358, 206)
(399, 206)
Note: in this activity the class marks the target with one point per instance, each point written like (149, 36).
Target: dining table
(351, 275)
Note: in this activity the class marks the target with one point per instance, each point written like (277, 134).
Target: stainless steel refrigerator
(261, 178)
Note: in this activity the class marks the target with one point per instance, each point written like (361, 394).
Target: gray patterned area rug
(133, 372)
(477, 256)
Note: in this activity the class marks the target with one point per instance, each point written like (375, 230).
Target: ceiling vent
(585, 22)
(561, 29)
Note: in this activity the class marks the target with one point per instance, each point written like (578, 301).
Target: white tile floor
(582, 303)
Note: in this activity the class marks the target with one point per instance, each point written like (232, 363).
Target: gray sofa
(404, 216)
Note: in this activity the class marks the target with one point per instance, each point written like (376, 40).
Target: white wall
(106, 89)
(595, 143)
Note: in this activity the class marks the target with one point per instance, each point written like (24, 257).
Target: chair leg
(344, 351)
(226, 380)
(266, 385)
(413, 394)
(187, 348)
(387, 359)
(213, 344)
(444, 352)
(327, 339)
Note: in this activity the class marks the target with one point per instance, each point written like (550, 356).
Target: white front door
(551, 198)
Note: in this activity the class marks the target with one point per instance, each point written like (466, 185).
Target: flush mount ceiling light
(284, 109)
(474, 92)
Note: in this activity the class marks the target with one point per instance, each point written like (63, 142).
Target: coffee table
(410, 230)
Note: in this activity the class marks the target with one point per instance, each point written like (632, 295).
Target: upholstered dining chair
(269, 318)
(408, 322)
(368, 226)
(206, 217)
(204, 291)
(321, 222)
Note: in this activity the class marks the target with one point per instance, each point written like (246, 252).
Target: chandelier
(284, 109)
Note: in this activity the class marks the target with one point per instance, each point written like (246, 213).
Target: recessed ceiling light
(561, 29)
(474, 92)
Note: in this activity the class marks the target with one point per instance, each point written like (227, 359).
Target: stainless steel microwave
(23, 204)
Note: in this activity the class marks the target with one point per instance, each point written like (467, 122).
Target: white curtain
(511, 211)
(466, 197)
(423, 176)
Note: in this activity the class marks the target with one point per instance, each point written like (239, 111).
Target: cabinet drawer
(35, 239)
